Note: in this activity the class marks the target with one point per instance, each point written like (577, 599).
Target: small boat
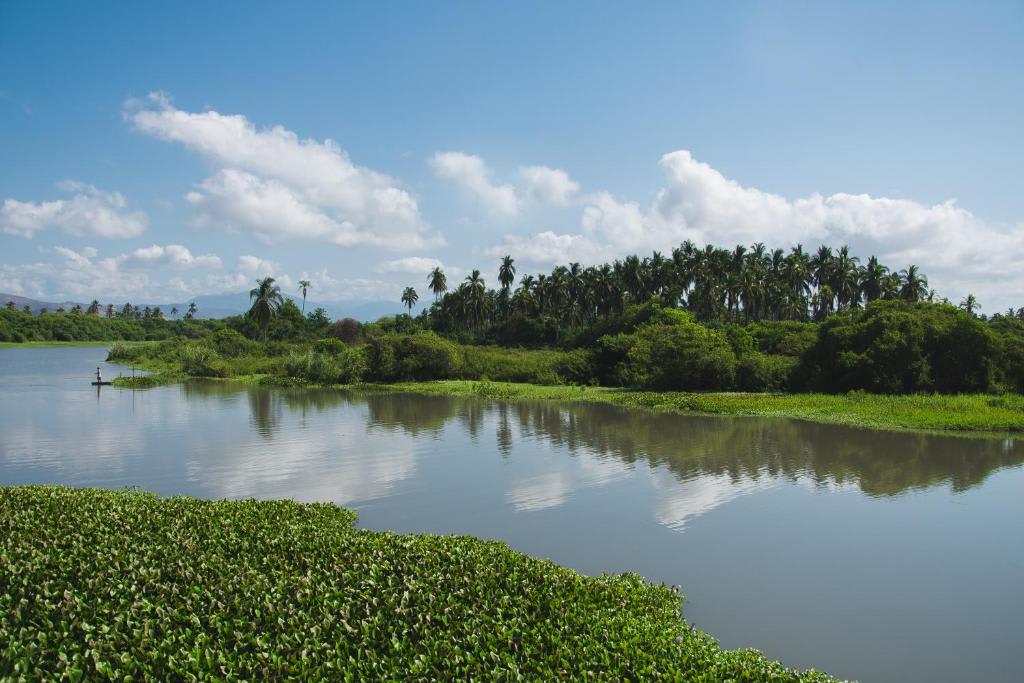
(102, 384)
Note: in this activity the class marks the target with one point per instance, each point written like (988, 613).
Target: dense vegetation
(127, 586)
(704, 320)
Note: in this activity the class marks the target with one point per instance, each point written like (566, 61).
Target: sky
(158, 151)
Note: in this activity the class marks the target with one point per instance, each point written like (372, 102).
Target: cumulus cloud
(254, 265)
(958, 251)
(89, 211)
(548, 248)
(277, 186)
(417, 265)
(548, 185)
(174, 255)
(470, 174)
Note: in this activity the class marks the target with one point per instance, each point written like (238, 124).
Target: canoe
(102, 384)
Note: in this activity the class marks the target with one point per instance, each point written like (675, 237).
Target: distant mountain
(36, 306)
(224, 305)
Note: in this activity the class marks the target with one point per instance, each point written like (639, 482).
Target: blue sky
(166, 150)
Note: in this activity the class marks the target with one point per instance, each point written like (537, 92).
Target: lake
(879, 556)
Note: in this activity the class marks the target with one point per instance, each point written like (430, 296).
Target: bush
(345, 367)
(547, 366)
(232, 344)
(348, 330)
(119, 351)
(199, 360)
(330, 346)
(681, 356)
(760, 372)
(896, 347)
(415, 357)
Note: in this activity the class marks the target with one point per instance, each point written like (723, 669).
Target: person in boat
(99, 376)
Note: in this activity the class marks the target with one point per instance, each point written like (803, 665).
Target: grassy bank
(544, 374)
(932, 412)
(44, 344)
(100, 584)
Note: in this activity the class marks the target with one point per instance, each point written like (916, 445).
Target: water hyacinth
(123, 585)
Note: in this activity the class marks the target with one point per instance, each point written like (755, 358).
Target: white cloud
(174, 255)
(417, 265)
(957, 250)
(548, 185)
(548, 248)
(89, 212)
(470, 174)
(278, 186)
(254, 265)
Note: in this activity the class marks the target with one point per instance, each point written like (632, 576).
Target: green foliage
(405, 357)
(330, 345)
(344, 366)
(200, 360)
(547, 366)
(682, 355)
(783, 337)
(119, 351)
(103, 585)
(898, 347)
(760, 372)
(232, 344)
(18, 326)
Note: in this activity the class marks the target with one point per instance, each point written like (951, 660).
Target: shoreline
(975, 415)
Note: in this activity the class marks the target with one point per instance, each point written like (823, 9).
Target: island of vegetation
(123, 585)
(740, 332)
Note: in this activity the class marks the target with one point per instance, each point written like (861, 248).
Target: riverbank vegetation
(711, 320)
(121, 584)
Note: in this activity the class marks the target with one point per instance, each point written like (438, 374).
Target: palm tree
(94, 308)
(174, 312)
(437, 282)
(409, 298)
(507, 272)
(110, 311)
(872, 279)
(475, 291)
(303, 286)
(192, 308)
(914, 285)
(970, 304)
(266, 300)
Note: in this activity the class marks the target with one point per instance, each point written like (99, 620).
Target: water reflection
(741, 450)
(814, 551)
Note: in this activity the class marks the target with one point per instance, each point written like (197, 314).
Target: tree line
(740, 285)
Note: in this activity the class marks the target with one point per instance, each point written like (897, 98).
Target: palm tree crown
(437, 282)
(304, 285)
(266, 300)
(409, 298)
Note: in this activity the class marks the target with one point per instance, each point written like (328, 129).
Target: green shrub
(330, 346)
(680, 356)
(199, 360)
(346, 367)
(542, 366)
(232, 344)
(896, 347)
(760, 372)
(413, 357)
(119, 351)
(118, 585)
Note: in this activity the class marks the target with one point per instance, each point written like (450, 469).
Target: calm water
(876, 556)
